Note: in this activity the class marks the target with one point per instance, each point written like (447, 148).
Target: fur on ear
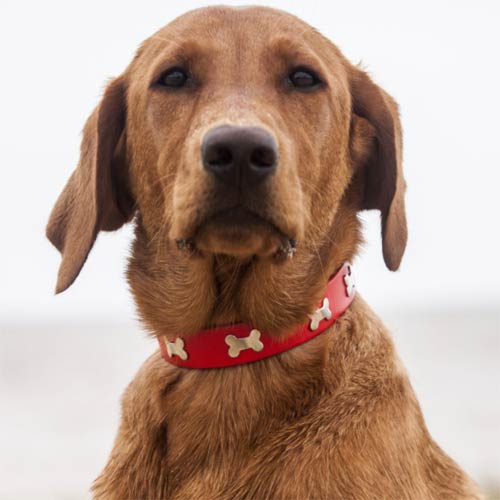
(376, 151)
(96, 196)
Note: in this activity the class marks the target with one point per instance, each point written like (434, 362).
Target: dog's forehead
(256, 21)
(247, 28)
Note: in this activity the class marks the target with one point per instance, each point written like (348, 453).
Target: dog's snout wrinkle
(239, 156)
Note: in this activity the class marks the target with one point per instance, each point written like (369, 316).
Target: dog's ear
(376, 151)
(96, 196)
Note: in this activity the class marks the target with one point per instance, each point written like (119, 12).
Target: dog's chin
(242, 234)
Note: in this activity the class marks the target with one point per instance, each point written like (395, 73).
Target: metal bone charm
(176, 349)
(320, 314)
(237, 345)
(349, 281)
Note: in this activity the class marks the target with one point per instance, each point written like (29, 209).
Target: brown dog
(333, 418)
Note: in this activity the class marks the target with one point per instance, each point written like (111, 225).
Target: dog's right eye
(173, 78)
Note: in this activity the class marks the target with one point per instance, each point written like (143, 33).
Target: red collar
(241, 343)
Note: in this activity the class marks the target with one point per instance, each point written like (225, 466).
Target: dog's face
(245, 144)
(243, 122)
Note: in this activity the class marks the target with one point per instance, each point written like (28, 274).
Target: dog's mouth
(239, 232)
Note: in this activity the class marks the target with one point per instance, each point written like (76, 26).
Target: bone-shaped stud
(176, 349)
(320, 314)
(237, 345)
(349, 281)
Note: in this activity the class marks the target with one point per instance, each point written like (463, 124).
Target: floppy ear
(376, 150)
(96, 196)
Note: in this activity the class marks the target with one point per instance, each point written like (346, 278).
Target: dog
(243, 145)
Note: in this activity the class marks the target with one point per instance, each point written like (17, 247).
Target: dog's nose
(239, 156)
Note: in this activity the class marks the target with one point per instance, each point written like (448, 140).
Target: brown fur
(333, 418)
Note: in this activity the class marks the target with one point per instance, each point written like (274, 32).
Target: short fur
(333, 418)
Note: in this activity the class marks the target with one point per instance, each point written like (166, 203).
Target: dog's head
(245, 144)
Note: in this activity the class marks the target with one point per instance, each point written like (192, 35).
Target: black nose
(239, 156)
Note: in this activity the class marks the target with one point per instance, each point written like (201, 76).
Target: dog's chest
(297, 473)
(242, 435)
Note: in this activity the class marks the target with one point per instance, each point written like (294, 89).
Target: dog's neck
(239, 343)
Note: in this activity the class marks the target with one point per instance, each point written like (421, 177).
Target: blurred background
(65, 360)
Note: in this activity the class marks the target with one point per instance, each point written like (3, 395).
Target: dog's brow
(184, 49)
(290, 48)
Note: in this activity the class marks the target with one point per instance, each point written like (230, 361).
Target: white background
(438, 59)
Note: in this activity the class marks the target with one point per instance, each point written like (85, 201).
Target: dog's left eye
(303, 79)
(173, 78)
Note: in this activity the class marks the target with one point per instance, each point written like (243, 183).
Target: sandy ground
(60, 387)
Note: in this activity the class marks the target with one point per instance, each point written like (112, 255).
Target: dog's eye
(303, 79)
(173, 78)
